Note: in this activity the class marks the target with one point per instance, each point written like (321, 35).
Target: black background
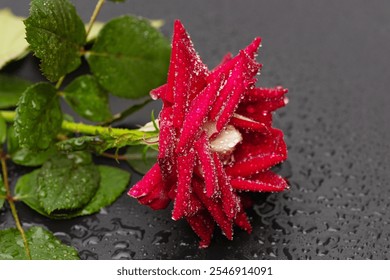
(334, 58)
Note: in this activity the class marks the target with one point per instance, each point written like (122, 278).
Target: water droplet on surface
(88, 255)
(123, 254)
(161, 237)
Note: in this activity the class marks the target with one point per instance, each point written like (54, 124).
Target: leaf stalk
(94, 15)
(11, 203)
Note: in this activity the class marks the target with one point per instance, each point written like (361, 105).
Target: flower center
(225, 142)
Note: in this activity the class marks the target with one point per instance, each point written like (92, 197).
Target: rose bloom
(216, 140)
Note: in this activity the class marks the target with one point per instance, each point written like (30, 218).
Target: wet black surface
(334, 58)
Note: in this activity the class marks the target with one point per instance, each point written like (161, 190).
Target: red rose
(216, 140)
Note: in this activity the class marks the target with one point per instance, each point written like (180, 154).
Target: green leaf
(2, 192)
(38, 117)
(13, 43)
(113, 181)
(26, 190)
(141, 158)
(88, 99)
(130, 57)
(25, 156)
(11, 88)
(66, 183)
(98, 25)
(42, 243)
(56, 35)
(3, 132)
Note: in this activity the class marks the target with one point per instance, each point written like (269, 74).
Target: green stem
(135, 134)
(94, 15)
(94, 130)
(13, 207)
(59, 82)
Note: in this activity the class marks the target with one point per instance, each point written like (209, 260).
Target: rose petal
(251, 111)
(254, 165)
(253, 47)
(194, 205)
(151, 190)
(160, 92)
(248, 124)
(166, 138)
(230, 203)
(258, 144)
(197, 115)
(203, 225)
(185, 166)
(156, 199)
(207, 164)
(242, 221)
(215, 209)
(184, 62)
(237, 88)
(259, 94)
(248, 54)
(148, 183)
(263, 182)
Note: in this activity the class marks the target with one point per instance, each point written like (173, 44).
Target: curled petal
(197, 115)
(160, 92)
(268, 105)
(203, 225)
(165, 147)
(214, 207)
(194, 205)
(220, 101)
(253, 47)
(230, 202)
(242, 221)
(248, 124)
(260, 102)
(149, 182)
(261, 145)
(184, 62)
(157, 199)
(251, 111)
(251, 68)
(185, 166)
(249, 53)
(227, 89)
(179, 73)
(255, 165)
(259, 94)
(207, 164)
(237, 88)
(263, 182)
(151, 190)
